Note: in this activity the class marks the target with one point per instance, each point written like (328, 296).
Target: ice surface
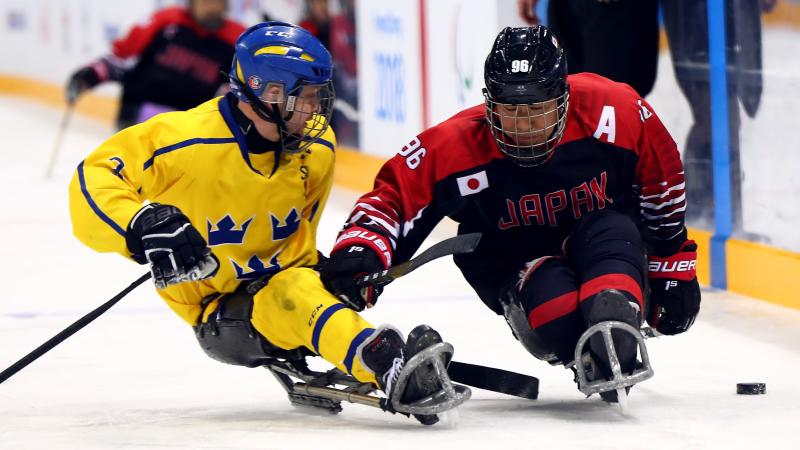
(136, 378)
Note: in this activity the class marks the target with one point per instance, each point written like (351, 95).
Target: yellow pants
(294, 309)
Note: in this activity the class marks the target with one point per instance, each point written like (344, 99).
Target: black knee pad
(228, 335)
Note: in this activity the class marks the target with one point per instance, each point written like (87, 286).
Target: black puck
(751, 388)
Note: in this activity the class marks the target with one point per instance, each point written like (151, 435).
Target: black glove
(160, 235)
(674, 291)
(81, 81)
(358, 252)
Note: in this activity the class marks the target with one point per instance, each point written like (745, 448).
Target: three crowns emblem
(256, 267)
(225, 231)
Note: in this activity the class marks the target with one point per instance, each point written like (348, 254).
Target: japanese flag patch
(472, 184)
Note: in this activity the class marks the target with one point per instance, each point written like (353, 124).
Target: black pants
(618, 39)
(229, 336)
(556, 292)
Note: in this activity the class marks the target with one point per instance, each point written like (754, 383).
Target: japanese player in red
(578, 190)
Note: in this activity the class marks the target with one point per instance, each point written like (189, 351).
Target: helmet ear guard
(526, 94)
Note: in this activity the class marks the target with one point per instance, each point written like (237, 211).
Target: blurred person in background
(169, 63)
(617, 39)
(686, 23)
(345, 74)
(317, 20)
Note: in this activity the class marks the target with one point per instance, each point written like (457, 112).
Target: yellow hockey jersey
(197, 160)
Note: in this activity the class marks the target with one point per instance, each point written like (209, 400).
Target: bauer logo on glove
(674, 291)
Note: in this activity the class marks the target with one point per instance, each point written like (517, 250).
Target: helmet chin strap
(269, 113)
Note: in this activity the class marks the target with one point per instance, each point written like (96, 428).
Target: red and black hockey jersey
(615, 153)
(176, 60)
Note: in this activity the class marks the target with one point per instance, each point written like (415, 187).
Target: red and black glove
(90, 76)
(674, 291)
(357, 252)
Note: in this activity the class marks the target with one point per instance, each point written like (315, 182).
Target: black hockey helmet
(526, 93)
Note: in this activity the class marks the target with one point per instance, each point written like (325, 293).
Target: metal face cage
(310, 103)
(527, 133)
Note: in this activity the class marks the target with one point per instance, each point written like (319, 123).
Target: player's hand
(674, 291)
(358, 252)
(81, 81)
(162, 236)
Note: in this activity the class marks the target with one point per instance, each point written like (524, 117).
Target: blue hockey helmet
(284, 55)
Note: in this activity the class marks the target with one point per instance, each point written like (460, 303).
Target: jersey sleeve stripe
(663, 216)
(663, 225)
(664, 204)
(378, 214)
(186, 143)
(93, 205)
(358, 217)
(371, 208)
(666, 193)
(409, 225)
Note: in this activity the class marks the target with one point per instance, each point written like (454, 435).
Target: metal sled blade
(619, 380)
(313, 389)
(447, 397)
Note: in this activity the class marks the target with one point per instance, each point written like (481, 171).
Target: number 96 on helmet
(526, 94)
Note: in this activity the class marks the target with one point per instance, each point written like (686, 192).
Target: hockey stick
(69, 331)
(495, 380)
(464, 243)
(62, 128)
(459, 244)
(482, 377)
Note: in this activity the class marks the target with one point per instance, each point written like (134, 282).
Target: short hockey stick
(495, 380)
(69, 331)
(62, 128)
(464, 243)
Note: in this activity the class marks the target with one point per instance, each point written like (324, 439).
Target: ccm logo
(672, 266)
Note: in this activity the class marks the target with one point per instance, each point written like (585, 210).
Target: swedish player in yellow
(233, 191)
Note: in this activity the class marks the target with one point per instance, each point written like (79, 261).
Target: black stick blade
(464, 243)
(496, 380)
